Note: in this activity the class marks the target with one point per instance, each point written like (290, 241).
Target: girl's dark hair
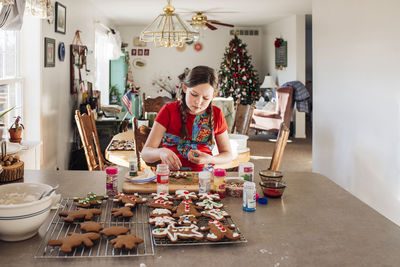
(199, 75)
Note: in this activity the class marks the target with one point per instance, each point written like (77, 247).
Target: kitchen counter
(316, 223)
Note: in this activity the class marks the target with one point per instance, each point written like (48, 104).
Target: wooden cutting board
(190, 184)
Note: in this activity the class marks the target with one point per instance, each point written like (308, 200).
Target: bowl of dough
(21, 211)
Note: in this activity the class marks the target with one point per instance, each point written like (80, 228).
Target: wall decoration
(138, 42)
(49, 52)
(78, 65)
(139, 63)
(280, 53)
(61, 51)
(140, 52)
(147, 52)
(61, 18)
(198, 46)
(133, 52)
(181, 48)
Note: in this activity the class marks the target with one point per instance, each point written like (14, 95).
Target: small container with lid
(133, 171)
(246, 171)
(204, 181)
(162, 178)
(219, 182)
(249, 196)
(111, 181)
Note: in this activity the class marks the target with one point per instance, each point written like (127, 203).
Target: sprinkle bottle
(204, 182)
(132, 165)
(111, 181)
(162, 178)
(249, 196)
(219, 182)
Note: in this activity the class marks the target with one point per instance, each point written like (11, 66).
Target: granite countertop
(315, 223)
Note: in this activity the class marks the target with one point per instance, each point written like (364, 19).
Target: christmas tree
(237, 76)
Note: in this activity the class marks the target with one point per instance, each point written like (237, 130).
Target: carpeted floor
(296, 157)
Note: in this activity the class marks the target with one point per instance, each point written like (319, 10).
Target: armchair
(271, 121)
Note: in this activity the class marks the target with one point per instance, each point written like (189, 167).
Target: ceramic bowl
(273, 188)
(21, 213)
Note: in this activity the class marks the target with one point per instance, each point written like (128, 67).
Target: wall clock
(61, 51)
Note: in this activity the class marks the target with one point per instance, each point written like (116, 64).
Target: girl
(188, 127)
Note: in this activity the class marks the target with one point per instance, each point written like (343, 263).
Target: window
(102, 65)
(10, 83)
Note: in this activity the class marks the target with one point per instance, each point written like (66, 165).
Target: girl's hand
(167, 156)
(199, 157)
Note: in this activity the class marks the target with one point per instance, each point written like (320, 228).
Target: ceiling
(239, 12)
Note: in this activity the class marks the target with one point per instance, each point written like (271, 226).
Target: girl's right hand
(167, 156)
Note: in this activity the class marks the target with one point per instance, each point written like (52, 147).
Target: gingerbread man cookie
(115, 230)
(160, 212)
(216, 214)
(209, 204)
(74, 240)
(124, 212)
(185, 195)
(209, 196)
(178, 232)
(186, 207)
(161, 221)
(162, 196)
(187, 220)
(129, 200)
(90, 200)
(217, 231)
(91, 226)
(79, 214)
(159, 203)
(126, 241)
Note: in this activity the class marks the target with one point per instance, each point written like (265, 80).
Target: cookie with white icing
(209, 204)
(185, 195)
(210, 196)
(215, 214)
(163, 196)
(161, 221)
(174, 233)
(217, 231)
(160, 212)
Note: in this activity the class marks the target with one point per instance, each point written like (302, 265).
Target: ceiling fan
(199, 20)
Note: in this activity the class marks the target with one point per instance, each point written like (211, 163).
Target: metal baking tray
(103, 248)
(203, 221)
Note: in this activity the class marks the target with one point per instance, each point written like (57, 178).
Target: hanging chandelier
(169, 30)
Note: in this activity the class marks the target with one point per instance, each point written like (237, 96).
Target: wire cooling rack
(138, 225)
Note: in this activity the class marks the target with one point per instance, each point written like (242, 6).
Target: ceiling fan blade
(211, 27)
(220, 23)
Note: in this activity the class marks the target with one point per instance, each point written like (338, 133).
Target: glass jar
(133, 171)
(249, 196)
(246, 171)
(219, 182)
(111, 181)
(204, 182)
(162, 178)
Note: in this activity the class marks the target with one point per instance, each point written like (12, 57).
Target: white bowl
(22, 221)
(240, 139)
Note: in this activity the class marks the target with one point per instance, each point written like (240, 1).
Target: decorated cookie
(115, 230)
(90, 200)
(185, 195)
(91, 226)
(163, 204)
(174, 232)
(186, 207)
(216, 214)
(209, 204)
(187, 220)
(124, 212)
(217, 231)
(79, 214)
(74, 240)
(126, 241)
(161, 221)
(162, 196)
(210, 196)
(160, 212)
(129, 200)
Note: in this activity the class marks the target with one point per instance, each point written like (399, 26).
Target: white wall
(57, 105)
(163, 62)
(356, 122)
(292, 30)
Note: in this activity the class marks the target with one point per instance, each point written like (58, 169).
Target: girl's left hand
(198, 157)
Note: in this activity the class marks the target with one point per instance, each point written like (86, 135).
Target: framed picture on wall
(133, 52)
(140, 52)
(147, 52)
(61, 18)
(49, 52)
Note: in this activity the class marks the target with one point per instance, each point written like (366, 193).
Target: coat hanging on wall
(78, 65)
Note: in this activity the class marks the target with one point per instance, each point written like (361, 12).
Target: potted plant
(1, 122)
(16, 130)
